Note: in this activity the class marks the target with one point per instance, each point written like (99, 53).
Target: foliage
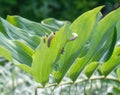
(60, 9)
(60, 52)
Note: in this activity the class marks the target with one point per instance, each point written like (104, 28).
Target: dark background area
(60, 9)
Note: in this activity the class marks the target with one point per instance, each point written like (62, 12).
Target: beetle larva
(50, 37)
(74, 36)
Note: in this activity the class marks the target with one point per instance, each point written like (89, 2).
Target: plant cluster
(60, 52)
(60, 9)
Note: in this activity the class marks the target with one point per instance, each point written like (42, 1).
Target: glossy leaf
(100, 42)
(52, 24)
(90, 69)
(15, 33)
(45, 55)
(112, 63)
(25, 68)
(20, 52)
(31, 27)
(83, 26)
(58, 48)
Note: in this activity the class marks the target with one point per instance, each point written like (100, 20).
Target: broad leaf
(83, 26)
(31, 27)
(25, 68)
(112, 63)
(20, 52)
(101, 40)
(90, 69)
(47, 52)
(15, 33)
(52, 24)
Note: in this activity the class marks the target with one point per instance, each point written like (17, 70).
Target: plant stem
(36, 91)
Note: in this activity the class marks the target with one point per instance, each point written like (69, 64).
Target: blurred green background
(59, 9)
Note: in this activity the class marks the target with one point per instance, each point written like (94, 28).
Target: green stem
(84, 80)
(36, 91)
(61, 90)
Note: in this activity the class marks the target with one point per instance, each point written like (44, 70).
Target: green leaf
(6, 54)
(83, 26)
(118, 30)
(30, 26)
(52, 24)
(15, 33)
(20, 52)
(112, 63)
(110, 48)
(90, 69)
(118, 73)
(45, 55)
(24, 47)
(100, 42)
(25, 68)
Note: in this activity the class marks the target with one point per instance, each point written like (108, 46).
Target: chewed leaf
(83, 26)
(45, 55)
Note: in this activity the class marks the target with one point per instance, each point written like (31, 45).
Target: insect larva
(62, 51)
(50, 37)
(45, 38)
(74, 36)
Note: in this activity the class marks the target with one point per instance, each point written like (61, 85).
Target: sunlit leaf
(53, 50)
(112, 63)
(15, 33)
(118, 73)
(6, 54)
(52, 24)
(83, 26)
(90, 69)
(31, 27)
(45, 55)
(20, 52)
(25, 68)
(100, 42)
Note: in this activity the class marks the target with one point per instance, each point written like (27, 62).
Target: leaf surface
(83, 26)
(52, 23)
(20, 52)
(6, 54)
(101, 40)
(30, 26)
(90, 69)
(45, 56)
(112, 63)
